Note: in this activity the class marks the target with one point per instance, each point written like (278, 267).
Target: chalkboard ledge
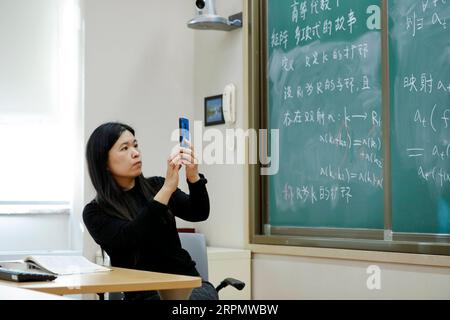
(358, 255)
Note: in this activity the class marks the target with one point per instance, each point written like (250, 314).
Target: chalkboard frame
(359, 239)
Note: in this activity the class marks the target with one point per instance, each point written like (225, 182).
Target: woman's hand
(172, 178)
(172, 174)
(190, 161)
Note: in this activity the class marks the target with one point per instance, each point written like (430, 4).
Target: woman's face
(124, 159)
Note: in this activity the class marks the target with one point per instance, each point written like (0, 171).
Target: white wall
(139, 70)
(285, 277)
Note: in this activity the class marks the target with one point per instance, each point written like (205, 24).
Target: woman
(133, 218)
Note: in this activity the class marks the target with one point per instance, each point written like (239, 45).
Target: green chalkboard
(324, 94)
(419, 55)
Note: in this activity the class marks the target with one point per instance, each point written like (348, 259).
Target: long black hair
(110, 196)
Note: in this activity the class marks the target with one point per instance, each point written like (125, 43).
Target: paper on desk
(64, 265)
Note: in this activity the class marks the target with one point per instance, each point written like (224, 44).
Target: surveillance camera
(200, 4)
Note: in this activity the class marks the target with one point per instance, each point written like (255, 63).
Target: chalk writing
(315, 7)
(347, 175)
(440, 152)
(348, 52)
(434, 116)
(430, 16)
(321, 118)
(311, 194)
(325, 28)
(435, 174)
(424, 83)
(279, 39)
(340, 84)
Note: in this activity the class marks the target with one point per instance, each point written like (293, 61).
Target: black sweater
(150, 241)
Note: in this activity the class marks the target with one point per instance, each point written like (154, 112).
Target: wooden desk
(170, 286)
(12, 293)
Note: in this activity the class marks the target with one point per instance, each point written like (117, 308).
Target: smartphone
(183, 124)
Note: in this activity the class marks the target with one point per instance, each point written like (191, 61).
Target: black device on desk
(20, 272)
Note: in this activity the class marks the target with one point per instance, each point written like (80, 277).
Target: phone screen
(184, 131)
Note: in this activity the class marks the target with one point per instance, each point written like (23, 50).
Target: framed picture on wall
(214, 110)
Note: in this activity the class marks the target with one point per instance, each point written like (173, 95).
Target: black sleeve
(112, 232)
(193, 207)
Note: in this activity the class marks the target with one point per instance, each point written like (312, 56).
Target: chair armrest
(235, 283)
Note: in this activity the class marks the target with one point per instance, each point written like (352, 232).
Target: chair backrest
(195, 244)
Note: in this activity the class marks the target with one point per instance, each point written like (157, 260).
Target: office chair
(195, 244)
